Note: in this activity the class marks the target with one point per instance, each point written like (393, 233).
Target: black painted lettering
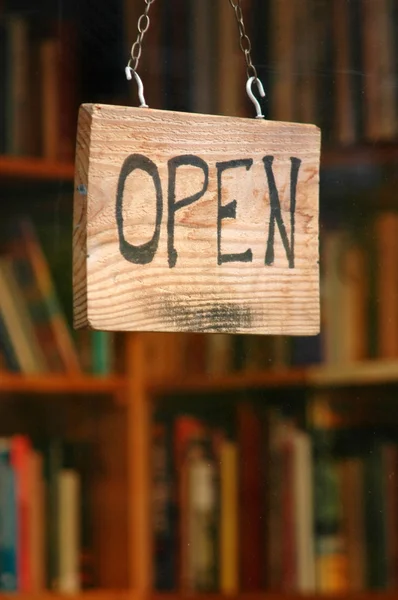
(229, 211)
(173, 164)
(276, 214)
(140, 255)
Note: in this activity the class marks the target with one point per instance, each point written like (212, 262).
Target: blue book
(8, 522)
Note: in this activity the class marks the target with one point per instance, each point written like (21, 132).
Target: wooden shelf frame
(59, 384)
(41, 169)
(37, 169)
(378, 372)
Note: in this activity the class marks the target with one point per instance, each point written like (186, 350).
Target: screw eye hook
(129, 75)
(252, 97)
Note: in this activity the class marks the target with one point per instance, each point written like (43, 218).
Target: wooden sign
(188, 222)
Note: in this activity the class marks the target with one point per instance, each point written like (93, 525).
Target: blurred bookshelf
(213, 466)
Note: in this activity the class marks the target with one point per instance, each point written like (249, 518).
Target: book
(282, 30)
(17, 322)
(203, 16)
(229, 506)
(386, 234)
(50, 97)
(37, 525)
(345, 107)
(29, 241)
(20, 453)
(202, 519)
(69, 531)
(250, 440)
(7, 351)
(230, 68)
(102, 352)
(375, 517)
(8, 521)
(331, 563)
(303, 512)
(53, 463)
(378, 51)
(17, 91)
(353, 520)
(164, 522)
(188, 431)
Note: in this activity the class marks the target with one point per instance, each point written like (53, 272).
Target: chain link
(143, 26)
(244, 40)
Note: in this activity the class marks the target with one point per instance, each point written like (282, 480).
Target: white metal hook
(129, 74)
(252, 97)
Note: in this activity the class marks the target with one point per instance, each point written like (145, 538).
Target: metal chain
(244, 43)
(143, 26)
(244, 40)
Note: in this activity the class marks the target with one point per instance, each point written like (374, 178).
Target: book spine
(53, 466)
(229, 534)
(50, 100)
(386, 234)
(17, 89)
(330, 549)
(345, 108)
(45, 284)
(250, 439)
(69, 531)
(163, 513)
(20, 460)
(37, 523)
(8, 522)
(201, 524)
(102, 351)
(375, 518)
(352, 486)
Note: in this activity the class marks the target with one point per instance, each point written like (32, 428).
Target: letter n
(276, 213)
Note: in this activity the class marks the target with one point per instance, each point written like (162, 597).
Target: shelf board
(374, 154)
(41, 169)
(84, 595)
(38, 169)
(370, 372)
(251, 380)
(367, 595)
(59, 384)
(378, 372)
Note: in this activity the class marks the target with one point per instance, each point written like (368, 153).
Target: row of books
(334, 64)
(273, 506)
(40, 517)
(360, 291)
(38, 88)
(34, 334)
(329, 63)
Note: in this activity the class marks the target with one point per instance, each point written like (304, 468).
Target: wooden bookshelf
(35, 169)
(59, 384)
(123, 490)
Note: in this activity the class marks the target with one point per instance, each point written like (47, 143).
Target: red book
(252, 560)
(20, 460)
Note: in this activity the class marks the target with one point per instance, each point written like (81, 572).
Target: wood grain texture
(196, 293)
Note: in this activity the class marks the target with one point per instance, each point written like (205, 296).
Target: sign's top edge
(95, 109)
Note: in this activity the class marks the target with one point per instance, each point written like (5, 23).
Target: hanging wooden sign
(188, 222)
